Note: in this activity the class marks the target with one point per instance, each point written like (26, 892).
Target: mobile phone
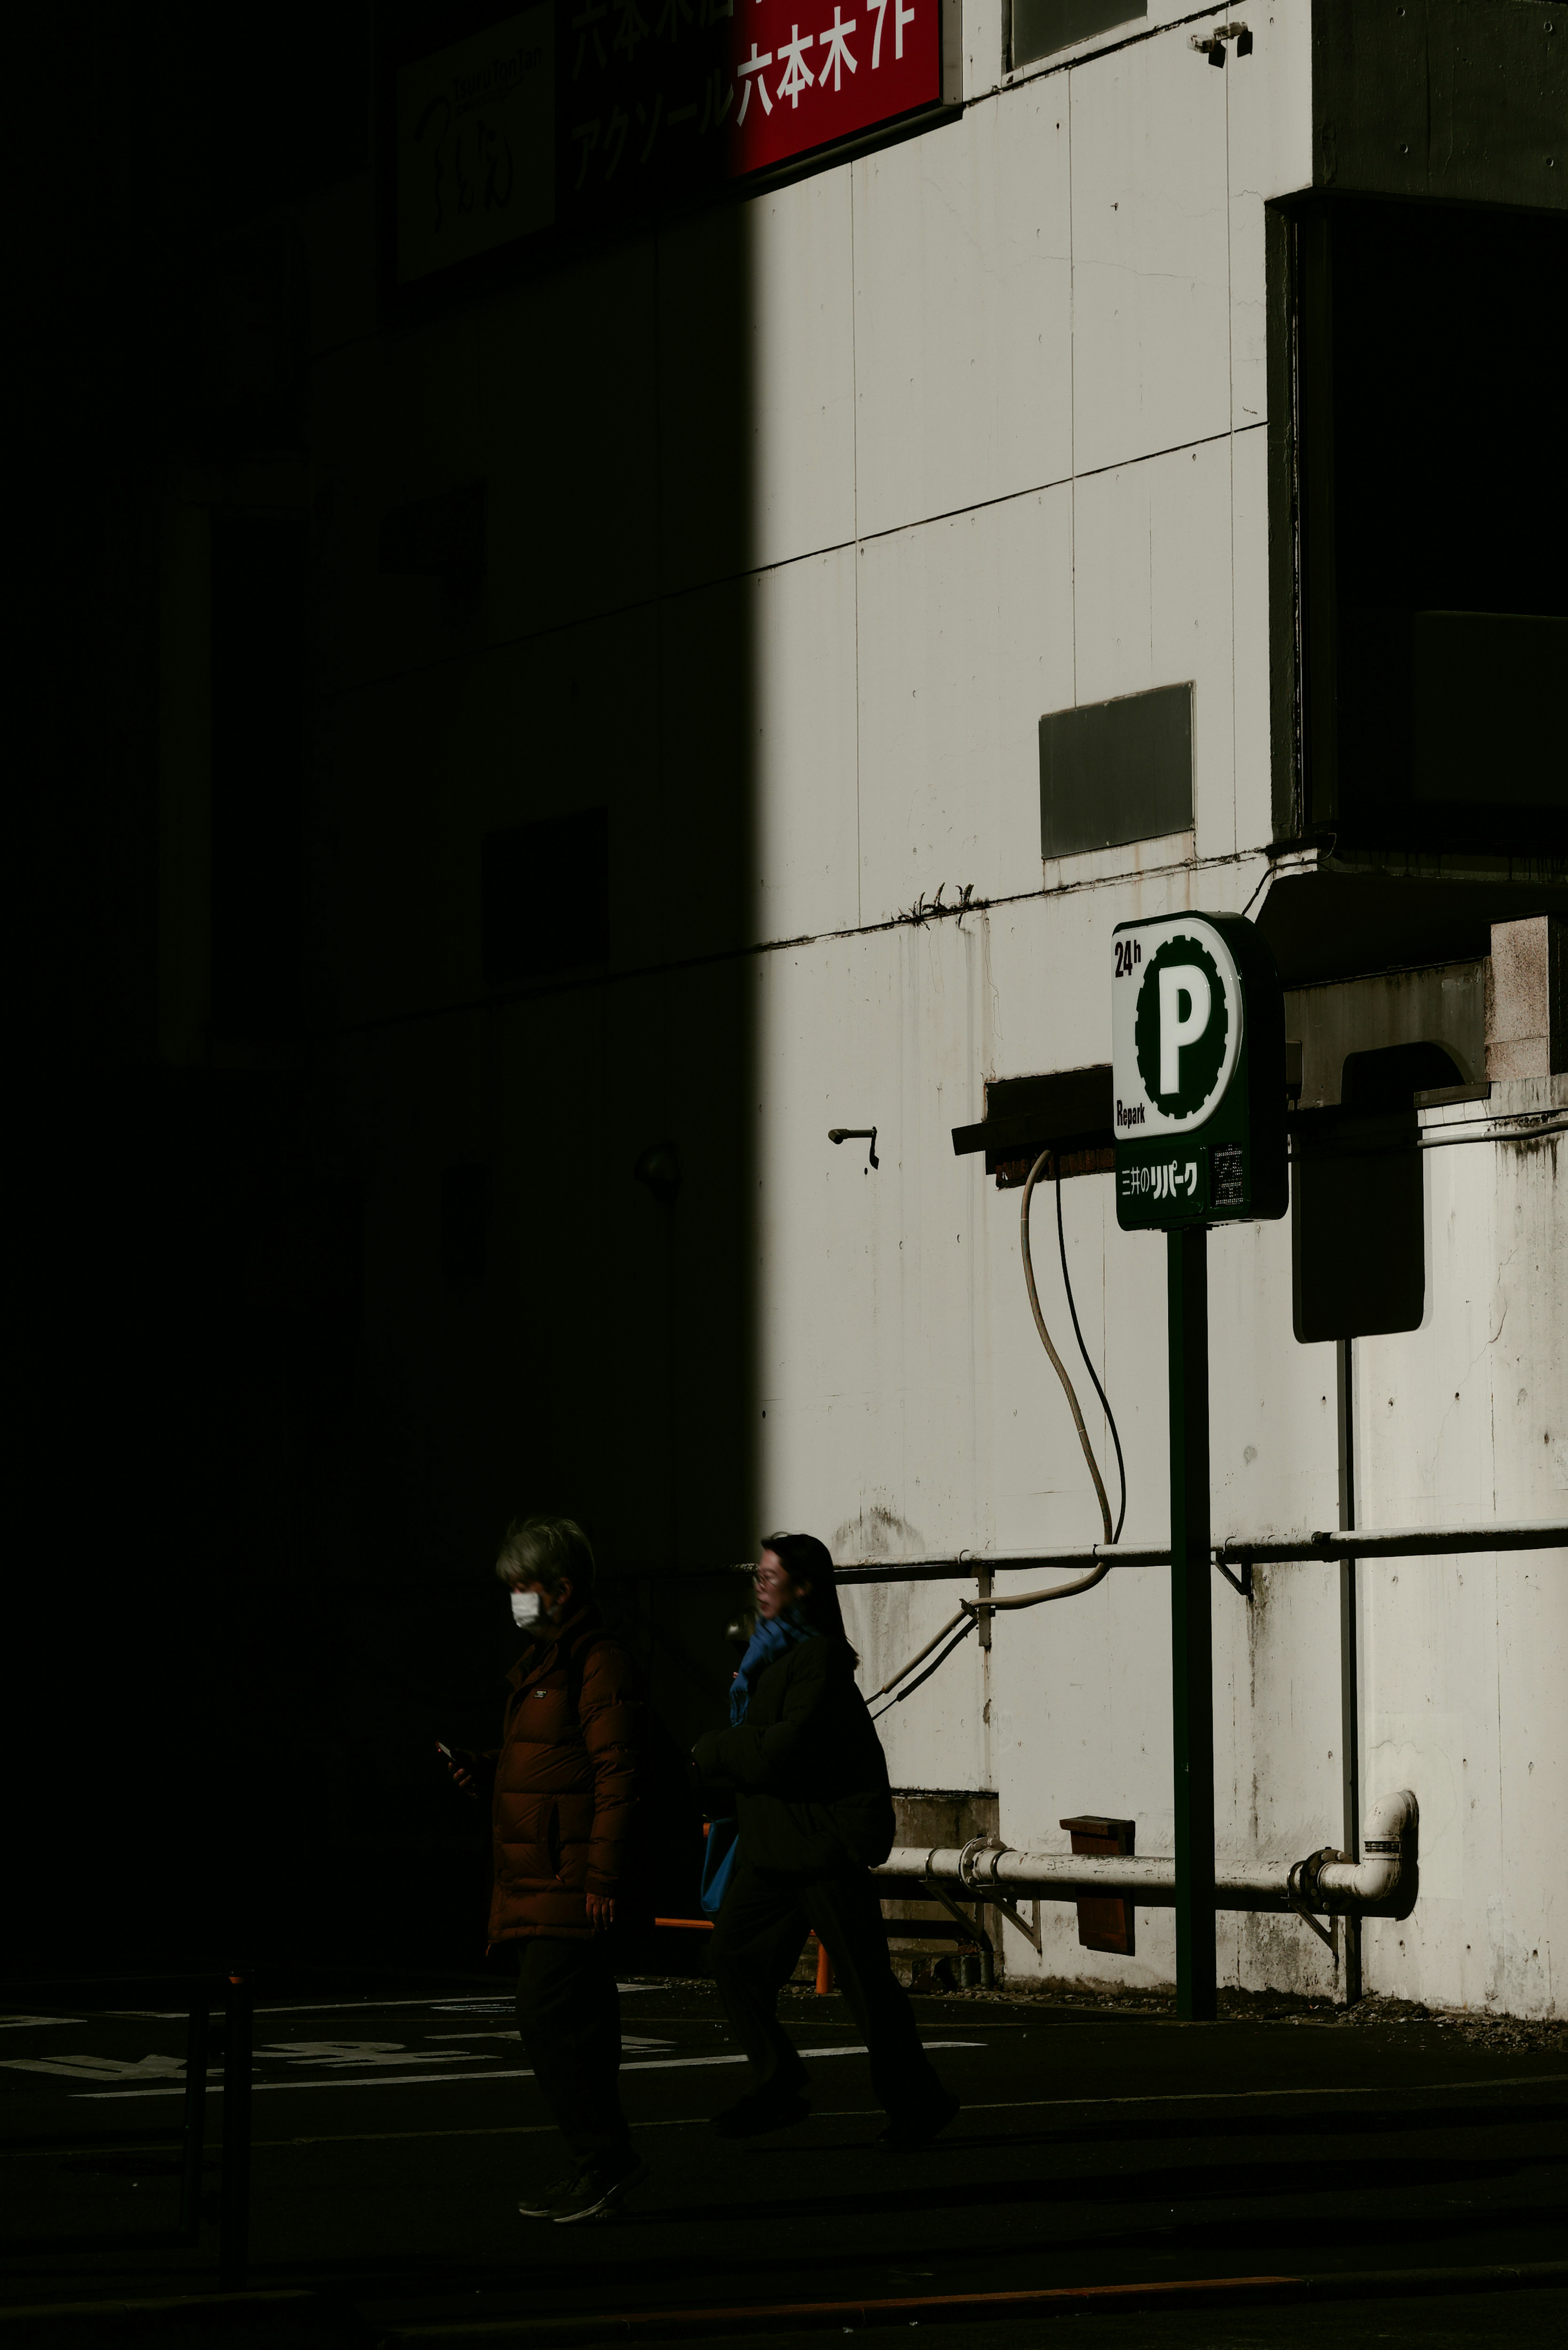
(445, 1750)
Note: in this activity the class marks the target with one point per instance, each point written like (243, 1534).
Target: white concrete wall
(1052, 317)
(1459, 1420)
(999, 411)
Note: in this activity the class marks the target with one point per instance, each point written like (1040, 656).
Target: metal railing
(1236, 1551)
(233, 1994)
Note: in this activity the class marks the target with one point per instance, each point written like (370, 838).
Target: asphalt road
(391, 2140)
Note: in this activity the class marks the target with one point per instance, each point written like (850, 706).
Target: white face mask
(528, 1609)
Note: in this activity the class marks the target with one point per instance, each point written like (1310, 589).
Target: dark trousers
(761, 1932)
(568, 2018)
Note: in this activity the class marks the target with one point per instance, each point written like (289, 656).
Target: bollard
(233, 2237)
(824, 1971)
(193, 2147)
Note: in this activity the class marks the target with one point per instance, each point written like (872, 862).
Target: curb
(1055, 2301)
(166, 2304)
(172, 2314)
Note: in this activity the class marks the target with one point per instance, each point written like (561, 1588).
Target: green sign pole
(1191, 1628)
(1198, 1038)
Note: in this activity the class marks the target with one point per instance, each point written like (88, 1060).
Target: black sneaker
(594, 2192)
(753, 2116)
(907, 2134)
(539, 2203)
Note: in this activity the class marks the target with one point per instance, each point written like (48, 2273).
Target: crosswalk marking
(508, 2073)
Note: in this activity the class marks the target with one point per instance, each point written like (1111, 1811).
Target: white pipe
(1237, 1550)
(1383, 1884)
(1383, 1879)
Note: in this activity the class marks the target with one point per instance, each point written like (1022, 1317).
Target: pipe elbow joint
(1385, 1881)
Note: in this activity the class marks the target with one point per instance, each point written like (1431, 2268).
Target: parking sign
(1198, 1073)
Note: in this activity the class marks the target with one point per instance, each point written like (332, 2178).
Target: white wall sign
(476, 144)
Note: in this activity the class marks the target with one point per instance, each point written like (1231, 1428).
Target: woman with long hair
(805, 1768)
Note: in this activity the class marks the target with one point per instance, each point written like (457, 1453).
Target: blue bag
(719, 1862)
(773, 1639)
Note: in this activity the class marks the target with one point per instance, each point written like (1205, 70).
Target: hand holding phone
(460, 1762)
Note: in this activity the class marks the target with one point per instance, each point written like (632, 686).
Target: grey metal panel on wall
(1358, 1262)
(1465, 98)
(1112, 771)
(1040, 28)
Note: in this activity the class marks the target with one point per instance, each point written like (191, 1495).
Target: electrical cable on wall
(1088, 1366)
(1057, 1364)
(970, 1621)
(969, 1614)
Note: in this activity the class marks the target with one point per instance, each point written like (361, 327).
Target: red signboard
(564, 113)
(681, 92)
(772, 80)
(829, 76)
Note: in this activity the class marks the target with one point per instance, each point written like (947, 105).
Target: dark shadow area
(1373, 2123)
(1190, 2183)
(256, 716)
(333, 1255)
(1253, 2230)
(1435, 622)
(85, 2245)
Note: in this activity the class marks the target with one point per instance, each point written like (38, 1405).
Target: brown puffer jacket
(570, 1779)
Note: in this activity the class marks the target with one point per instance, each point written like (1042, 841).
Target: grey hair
(551, 1551)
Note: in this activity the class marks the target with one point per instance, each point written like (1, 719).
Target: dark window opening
(1040, 28)
(546, 897)
(1433, 508)
(1113, 771)
(258, 758)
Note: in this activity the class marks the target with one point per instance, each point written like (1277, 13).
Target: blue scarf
(774, 1638)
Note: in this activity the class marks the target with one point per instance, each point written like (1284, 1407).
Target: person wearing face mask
(567, 1787)
(804, 1767)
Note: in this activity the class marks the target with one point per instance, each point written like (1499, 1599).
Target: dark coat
(570, 1783)
(805, 1767)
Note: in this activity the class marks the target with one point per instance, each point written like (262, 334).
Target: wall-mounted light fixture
(1213, 44)
(857, 1134)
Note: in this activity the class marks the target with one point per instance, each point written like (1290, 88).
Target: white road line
(321, 2007)
(449, 2005)
(521, 2073)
